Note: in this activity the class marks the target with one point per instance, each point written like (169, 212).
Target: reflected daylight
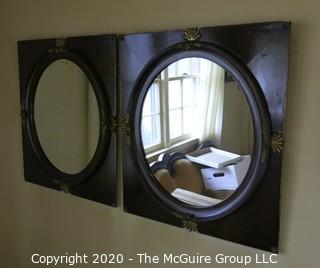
(197, 132)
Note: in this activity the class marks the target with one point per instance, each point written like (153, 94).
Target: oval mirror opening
(66, 116)
(197, 132)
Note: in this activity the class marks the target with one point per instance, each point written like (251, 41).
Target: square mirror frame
(97, 58)
(261, 48)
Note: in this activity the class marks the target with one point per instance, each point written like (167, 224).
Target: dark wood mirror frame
(260, 117)
(256, 55)
(94, 55)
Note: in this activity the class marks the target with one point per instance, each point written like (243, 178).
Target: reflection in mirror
(197, 132)
(66, 116)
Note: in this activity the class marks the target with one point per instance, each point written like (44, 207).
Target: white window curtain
(209, 104)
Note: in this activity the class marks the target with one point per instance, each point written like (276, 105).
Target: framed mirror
(203, 143)
(65, 107)
(68, 111)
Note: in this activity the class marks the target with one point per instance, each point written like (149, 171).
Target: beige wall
(36, 219)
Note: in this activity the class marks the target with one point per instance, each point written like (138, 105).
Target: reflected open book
(213, 157)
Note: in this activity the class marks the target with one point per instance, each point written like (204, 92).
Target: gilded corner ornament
(188, 221)
(64, 186)
(60, 42)
(125, 129)
(192, 34)
(277, 142)
(192, 226)
(60, 46)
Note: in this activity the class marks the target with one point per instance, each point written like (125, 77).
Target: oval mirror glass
(66, 116)
(197, 132)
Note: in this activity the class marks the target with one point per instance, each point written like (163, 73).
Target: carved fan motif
(192, 34)
(277, 142)
(190, 225)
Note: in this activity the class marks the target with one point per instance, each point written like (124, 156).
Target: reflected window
(151, 129)
(184, 103)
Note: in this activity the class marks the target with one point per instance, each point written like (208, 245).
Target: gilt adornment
(277, 142)
(125, 129)
(192, 34)
(60, 46)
